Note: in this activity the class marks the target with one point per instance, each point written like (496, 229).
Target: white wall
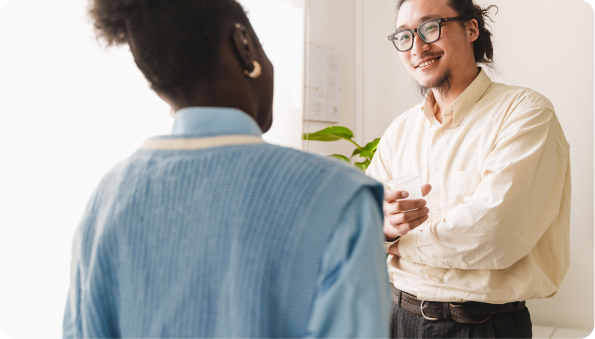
(285, 49)
(537, 45)
(332, 25)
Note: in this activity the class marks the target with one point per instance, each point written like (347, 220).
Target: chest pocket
(462, 184)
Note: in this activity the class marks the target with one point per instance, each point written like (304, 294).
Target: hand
(401, 216)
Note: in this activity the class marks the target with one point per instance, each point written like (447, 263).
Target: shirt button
(441, 133)
(457, 120)
(430, 276)
(437, 207)
(436, 168)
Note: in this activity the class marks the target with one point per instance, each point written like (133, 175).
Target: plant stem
(355, 143)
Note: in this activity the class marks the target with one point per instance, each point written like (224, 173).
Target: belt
(469, 312)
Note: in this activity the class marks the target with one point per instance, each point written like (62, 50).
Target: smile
(428, 63)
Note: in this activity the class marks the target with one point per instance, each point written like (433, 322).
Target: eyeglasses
(428, 32)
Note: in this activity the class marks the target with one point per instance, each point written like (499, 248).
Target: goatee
(441, 85)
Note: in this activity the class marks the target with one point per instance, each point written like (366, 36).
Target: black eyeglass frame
(414, 31)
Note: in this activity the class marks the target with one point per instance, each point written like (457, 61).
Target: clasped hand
(401, 216)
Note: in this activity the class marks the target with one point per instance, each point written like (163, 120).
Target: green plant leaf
(325, 137)
(340, 157)
(332, 133)
(361, 165)
(366, 154)
(356, 152)
(371, 146)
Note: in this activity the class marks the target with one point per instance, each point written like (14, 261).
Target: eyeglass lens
(428, 32)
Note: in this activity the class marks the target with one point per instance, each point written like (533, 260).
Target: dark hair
(175, 43)
(483, 48)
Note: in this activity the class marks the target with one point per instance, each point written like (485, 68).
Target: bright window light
(69, 111)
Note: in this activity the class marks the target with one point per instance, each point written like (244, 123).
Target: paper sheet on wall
(324, 94)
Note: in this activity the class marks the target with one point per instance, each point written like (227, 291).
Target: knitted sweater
(229, 223)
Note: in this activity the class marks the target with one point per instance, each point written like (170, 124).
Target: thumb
(394, 249)
(425, 189)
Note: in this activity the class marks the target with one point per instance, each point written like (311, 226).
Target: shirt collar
(464, 102)
(214, 121)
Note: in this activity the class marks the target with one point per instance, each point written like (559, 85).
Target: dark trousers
(404, 324)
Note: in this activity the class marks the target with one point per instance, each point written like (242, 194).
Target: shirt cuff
(388, 244)
(407, 247)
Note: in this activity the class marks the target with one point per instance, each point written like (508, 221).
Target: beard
(441, 85)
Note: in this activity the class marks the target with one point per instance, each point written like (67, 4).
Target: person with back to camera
(497, 232)
(209, 231)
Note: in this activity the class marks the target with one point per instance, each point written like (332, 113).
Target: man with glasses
(493, 231)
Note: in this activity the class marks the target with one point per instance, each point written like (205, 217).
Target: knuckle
(406, 217)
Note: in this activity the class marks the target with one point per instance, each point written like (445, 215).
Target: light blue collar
(214, 121)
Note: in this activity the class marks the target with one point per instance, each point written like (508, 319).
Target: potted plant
(335, 133)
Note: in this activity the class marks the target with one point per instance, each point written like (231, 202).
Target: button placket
(436, 161)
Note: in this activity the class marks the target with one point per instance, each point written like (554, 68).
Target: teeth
(427, 63)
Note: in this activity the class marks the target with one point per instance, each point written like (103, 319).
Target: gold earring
(256, 72)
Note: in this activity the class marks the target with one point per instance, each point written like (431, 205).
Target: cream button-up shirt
(498, 227)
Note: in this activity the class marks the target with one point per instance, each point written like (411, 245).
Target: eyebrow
(423, 19)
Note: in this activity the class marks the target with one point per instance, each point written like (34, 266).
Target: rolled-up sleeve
(517, 199)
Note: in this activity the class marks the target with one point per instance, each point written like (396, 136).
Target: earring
(256, 72)
(244, 39)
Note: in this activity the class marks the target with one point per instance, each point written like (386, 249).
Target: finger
(390, 195)
(394, 249)
(390, 231)
(403, 217)
(413, 215)
(425, 189)
(400, 228)
(403, 205)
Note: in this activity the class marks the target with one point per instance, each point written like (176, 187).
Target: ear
(472, 30)
(244, 47)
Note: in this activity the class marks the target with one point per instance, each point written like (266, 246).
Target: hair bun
(110, 18)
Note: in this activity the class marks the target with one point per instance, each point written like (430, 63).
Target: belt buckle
(423, 314)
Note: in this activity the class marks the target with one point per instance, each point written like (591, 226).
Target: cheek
(406, 59)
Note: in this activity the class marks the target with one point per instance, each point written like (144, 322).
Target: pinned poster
(324, 88)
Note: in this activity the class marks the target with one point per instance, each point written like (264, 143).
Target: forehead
(414, 12)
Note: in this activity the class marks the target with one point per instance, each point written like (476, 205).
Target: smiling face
(439, 63)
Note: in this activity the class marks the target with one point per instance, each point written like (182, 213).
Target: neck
(459, 84)
(219, 96)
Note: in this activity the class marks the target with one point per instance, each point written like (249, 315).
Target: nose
(419, 46)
